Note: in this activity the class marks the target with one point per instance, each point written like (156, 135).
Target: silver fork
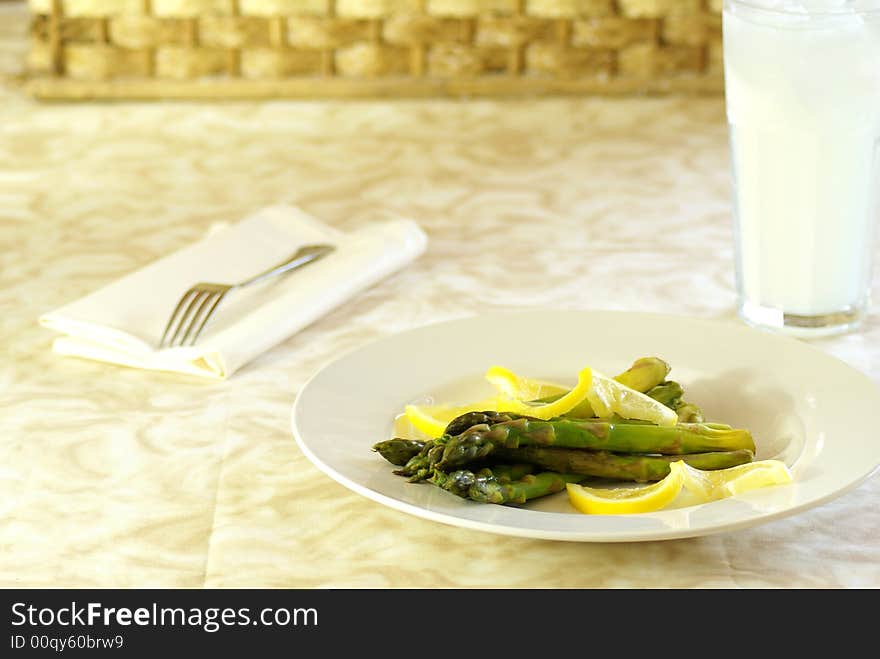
(198, 304)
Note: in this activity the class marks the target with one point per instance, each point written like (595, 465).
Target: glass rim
(839, 11)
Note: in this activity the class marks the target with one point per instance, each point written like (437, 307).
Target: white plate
(802, 406)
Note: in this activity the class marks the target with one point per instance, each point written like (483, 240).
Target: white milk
(803, 102)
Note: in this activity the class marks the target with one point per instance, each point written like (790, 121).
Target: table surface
(113, 477)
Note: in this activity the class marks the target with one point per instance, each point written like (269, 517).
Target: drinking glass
(802, 86)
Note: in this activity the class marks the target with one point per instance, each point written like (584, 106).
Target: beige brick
(326, 33)
(146, 31)
(134, 31)
(613, 33)
(569, 8)
(233, 31)
(647, 60)
(82, 30)
(283, 7)
(374, 8)
(181, 62)
(190, 8)
(366, 60)
(100, 62)
(84, 8)
(469, 7)
(262, 63)
(455, 61)
(567, 62)
(658, 8)
(410, 29)
(512, 31)
(691, 29)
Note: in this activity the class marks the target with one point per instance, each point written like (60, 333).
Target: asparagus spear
(399, 451)
(459, 482)
(500, 484)
(668, 393)
(603, 464)
(480, 440)
(465, 421)
(420, 465)
(644, 374)
(688, 412)
(619, 466)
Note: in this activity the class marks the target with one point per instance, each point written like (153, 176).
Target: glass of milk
(802, 82)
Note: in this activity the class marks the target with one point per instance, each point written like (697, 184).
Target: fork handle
(305, 254)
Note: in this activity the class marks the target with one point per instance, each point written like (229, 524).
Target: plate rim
(670, 533)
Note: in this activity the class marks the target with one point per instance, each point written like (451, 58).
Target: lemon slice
(515, 386)
(604, 398)
(710, 485)
(705, 485)
(627, 500)
(433, 419)
(550, 410)
(608, 396)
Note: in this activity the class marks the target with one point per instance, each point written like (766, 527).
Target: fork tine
(176, 315)
(186, 318)
(207, 316)
(200, 317)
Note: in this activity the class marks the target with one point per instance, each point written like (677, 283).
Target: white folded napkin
(123, 322)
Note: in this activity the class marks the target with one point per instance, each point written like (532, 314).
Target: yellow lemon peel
(433, 419)
(522, 388)
(514, 391)
(605, 397)
(705, 485)
(627, 500)
(714, 484)
(553, 409)
(608, 397)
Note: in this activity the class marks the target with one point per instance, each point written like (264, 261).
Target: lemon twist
(706, 485)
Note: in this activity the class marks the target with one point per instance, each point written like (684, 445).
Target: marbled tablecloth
(113, 477)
